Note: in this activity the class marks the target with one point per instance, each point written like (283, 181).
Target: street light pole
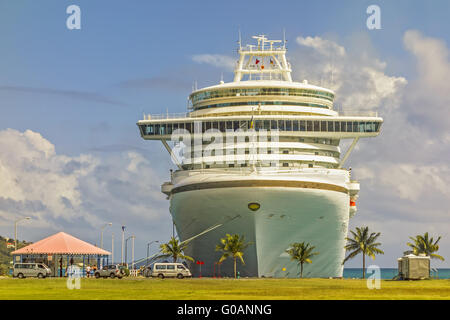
(132, 252)
(15, 230)
(148, 246)
(112, 248)
(126, 248)
(101, 237)
(123, 241)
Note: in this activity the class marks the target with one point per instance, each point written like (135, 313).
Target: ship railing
(356, 113)
(166, 116)
(251, 171)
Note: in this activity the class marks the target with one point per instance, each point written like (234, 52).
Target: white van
(162, 270)
(23, 270)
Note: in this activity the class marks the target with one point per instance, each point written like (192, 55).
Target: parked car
(23, 270)
(163, 270)
(147, 272)
(112, 271)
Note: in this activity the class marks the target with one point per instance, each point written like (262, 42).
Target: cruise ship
(260, 157)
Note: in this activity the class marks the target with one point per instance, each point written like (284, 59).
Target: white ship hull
(314, 211)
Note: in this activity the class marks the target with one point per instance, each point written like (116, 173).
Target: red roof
(61, 243)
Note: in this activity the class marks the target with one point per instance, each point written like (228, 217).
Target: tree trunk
(301, 270)
(235, 267)
(364, 265)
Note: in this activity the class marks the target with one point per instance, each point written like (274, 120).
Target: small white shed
(413, 267)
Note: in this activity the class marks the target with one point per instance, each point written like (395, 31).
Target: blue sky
(83, 91)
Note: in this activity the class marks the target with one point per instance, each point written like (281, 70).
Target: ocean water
(389, 273)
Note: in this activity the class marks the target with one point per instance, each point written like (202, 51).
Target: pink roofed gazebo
(57, 246)
(61, 243)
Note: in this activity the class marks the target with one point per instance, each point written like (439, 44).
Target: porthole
(254, 206)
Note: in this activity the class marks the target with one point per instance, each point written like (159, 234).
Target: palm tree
(424, 244)
(364, 243)
(232, 246)
(301, 252)
(174, 249)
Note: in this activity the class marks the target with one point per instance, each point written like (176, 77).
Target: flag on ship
(257, 61)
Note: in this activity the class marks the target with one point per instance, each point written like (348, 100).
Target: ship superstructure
(260, 157)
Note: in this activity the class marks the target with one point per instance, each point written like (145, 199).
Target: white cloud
(79, 193)
(404, 173)
(429, 95)
(217, 60)
(322, 46)
(357, 76)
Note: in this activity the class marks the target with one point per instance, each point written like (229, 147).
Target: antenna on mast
(284, 38)
(240, 40)
(332, 67)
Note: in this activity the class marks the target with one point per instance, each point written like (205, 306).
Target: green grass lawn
(224, 289)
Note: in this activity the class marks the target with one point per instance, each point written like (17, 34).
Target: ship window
(309, 125)
(150, 129)
(285, 151)
(377, 126)
(361, 127)
(267, 124)
(242, 124)
(302, 125)
(273, 124)
(316, 126)
(343, 126)
(310, 165)
(157, 128)
(222, 126)
(189, 126)
(330, 126)
(231, 165)
(215, 125)
(285, 164)
(235, 125)
(257, 124)
(295, 125)
(323, 126)
(229, 125)
(207, 125)
(169, 128)
(163, 129)
(337, 126)
(281, 125)
(243, 164)
(175, 126)
(288, 125)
